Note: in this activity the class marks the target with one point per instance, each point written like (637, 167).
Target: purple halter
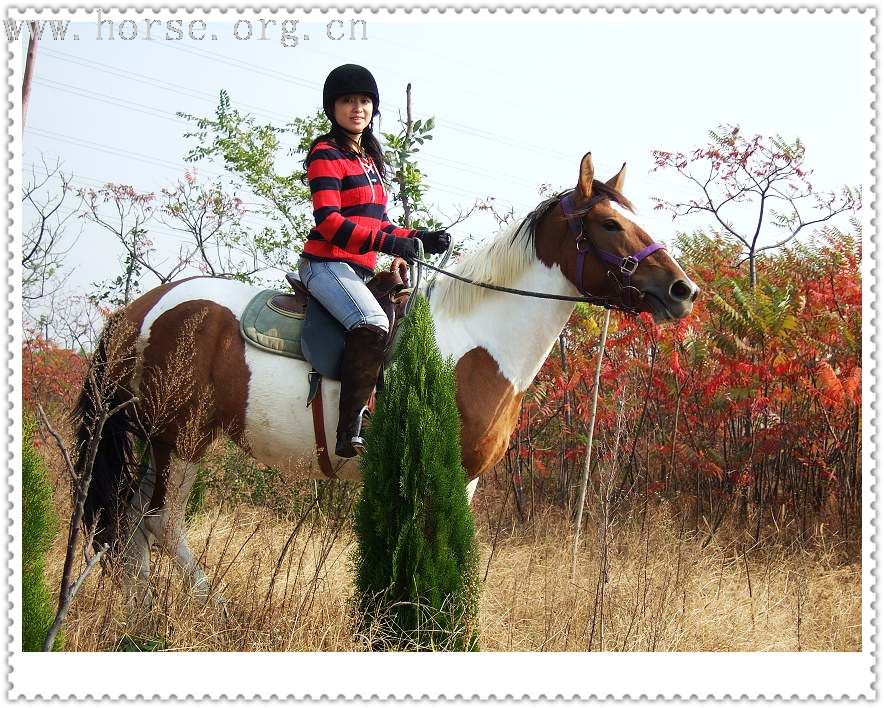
(626, 265)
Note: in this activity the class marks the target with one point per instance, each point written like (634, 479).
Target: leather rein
(625, 266)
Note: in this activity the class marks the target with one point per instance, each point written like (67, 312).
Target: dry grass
(289, 590)
(662, 591)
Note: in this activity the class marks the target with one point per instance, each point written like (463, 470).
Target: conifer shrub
(416, 562)
(39, 529)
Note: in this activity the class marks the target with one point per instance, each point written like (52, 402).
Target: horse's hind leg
(135, 555)
(196, 578)
(169, 526)
(136, 575)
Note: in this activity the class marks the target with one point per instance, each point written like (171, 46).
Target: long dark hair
(342, 140)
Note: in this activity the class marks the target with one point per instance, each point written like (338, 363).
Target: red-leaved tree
(748, 410)
(756, 190)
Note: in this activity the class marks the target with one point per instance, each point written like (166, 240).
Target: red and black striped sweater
(350, 208)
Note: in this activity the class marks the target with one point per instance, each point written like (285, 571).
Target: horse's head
(589, 234)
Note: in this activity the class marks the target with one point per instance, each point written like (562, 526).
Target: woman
(346, 171)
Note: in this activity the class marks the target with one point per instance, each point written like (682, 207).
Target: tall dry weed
(286, 586)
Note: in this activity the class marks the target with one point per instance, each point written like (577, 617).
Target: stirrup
(363, 416)
(357, 441)
(358, 444)
(350, 448)
(345, 448)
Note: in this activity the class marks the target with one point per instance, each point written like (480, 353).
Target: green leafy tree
(39, 529)
(416, 561)
(266, 159)
(255, 156)
(401, 156)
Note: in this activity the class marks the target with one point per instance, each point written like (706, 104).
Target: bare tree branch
(755, 172)
(61, 446)
(45, 243)
(81, 487)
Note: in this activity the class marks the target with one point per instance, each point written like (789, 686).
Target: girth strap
(314, 401)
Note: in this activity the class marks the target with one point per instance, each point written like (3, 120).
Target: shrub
(416, 562)
(748, 410)
(51, 374)
(39, 529)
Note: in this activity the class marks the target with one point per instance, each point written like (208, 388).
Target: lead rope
(599, 300)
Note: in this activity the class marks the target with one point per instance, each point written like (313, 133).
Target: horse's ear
(587, 175)
(616, 182)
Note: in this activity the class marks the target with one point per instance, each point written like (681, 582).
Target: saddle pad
(268, 326)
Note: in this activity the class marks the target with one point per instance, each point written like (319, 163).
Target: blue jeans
(343, 293)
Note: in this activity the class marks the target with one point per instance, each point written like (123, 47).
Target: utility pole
(29, 72)
(406, 207)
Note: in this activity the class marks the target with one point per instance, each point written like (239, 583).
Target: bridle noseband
(625, 265)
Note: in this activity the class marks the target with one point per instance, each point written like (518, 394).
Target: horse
(191, 377)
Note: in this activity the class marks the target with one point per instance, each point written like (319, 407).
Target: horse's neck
(517, 331)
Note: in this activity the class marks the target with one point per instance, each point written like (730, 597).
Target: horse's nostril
(695, 294)
(681, 290)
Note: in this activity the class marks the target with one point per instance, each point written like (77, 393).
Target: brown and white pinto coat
(498, 341)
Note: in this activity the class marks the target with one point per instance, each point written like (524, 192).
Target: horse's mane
(507, 255)
(499, 262)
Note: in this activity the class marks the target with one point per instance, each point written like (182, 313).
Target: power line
(209, 97)
(155, 83)
(149, 111)
(103, 98)
(82, 142)
(175, 88)
(307, 83)
(147, 159)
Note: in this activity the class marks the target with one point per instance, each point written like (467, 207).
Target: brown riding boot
(360, 367)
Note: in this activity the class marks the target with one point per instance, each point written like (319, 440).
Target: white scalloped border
(372, 666)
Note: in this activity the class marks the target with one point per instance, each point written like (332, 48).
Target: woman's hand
(434, 241)
(401, 246)
(400, 265)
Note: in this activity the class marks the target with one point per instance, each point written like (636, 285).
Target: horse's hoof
(221, 603)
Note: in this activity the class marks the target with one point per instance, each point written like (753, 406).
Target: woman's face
(353, 112)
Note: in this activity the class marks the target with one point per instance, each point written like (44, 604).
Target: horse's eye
(611, 225)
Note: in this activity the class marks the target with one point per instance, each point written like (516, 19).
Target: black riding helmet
(349, 78)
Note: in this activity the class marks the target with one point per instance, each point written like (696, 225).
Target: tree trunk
(406, 207)
(564, 466)
(587, 462)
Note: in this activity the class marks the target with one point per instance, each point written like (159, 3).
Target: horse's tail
(115, 467)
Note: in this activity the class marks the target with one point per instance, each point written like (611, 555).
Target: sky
(517, 100)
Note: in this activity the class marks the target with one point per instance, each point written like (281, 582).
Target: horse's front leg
(471, 489)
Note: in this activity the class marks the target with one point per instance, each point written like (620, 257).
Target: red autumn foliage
(51, 375)
(750, 406)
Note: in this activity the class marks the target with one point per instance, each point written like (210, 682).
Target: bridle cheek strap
(625, 265)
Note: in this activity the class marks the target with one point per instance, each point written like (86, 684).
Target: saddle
(296, 325)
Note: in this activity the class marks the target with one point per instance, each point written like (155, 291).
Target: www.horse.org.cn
(197, 30)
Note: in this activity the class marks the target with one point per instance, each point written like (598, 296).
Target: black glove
(435, 241)
(403, 247)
